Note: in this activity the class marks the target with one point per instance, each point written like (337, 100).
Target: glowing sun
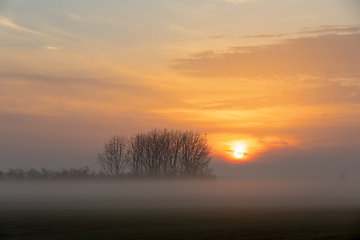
(238, 154)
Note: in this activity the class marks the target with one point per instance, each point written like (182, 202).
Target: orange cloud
(332, 93)
(323, 56)
(306, 31)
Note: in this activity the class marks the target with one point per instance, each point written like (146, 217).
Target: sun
(239, 150)
(238, 154)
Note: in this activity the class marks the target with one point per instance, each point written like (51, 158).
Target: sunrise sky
(277, 80)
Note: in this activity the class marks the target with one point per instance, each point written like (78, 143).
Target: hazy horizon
(173, 194)
(276, 81)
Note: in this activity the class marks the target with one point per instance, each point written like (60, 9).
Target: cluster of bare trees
(158, 153)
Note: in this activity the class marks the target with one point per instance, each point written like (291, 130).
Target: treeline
(154, 154)
(158, 153)
(49, 174)
(84, 173)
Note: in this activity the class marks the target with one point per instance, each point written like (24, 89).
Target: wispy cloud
(212, 37)
(75, 17)
(331, 29)
(92, 18)
(52, 48)
(46, 94)
(326, 56)
(8, 23)
(321, 30)
(326, 29)
(181, 29)
(326, 94)
(236, 1)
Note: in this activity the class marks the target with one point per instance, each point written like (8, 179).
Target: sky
(276, 80)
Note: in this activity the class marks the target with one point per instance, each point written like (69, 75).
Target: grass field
(181, 223)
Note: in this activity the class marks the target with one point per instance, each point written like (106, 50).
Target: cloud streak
(235, 1)
(49, 95)
(326, 29)
(327, 56)
(91, 18)
(321, 30)
(8, 23)
(322, 95)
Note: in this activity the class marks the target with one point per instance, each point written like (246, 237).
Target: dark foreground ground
(183, 223)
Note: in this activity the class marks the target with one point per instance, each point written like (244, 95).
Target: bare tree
(114, 158)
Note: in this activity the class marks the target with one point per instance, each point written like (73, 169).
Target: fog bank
(179, 194)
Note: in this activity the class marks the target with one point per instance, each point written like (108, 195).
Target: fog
(179, 194)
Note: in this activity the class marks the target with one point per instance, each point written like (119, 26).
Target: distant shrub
(44, 174)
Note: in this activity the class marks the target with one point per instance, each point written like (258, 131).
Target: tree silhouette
(158, 153)
(114, 159)
(169, 153)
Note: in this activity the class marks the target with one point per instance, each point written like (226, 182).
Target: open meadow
(224, 223)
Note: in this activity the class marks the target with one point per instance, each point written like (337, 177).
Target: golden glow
(193, 83)
(230, 148)
(241, 149)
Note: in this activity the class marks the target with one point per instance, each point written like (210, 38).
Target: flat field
(224, 209)
(181, 223)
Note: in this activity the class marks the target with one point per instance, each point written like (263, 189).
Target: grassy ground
(181, 224)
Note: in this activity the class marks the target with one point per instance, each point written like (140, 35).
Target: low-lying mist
(179, 194)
